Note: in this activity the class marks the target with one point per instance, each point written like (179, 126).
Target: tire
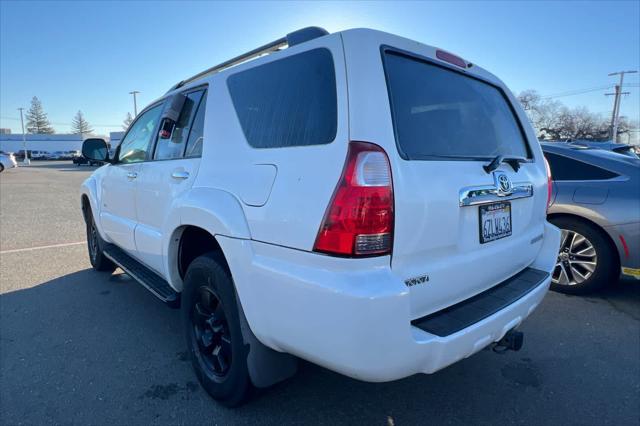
(582, 276)
(95, 245)
(1, 168)
(212, 330)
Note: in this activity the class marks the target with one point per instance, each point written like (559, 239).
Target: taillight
(359, 218)
(549, 183)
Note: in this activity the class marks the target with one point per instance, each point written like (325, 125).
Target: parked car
(39, 155)
(620, 148)
(596, 204)
(389, 229)
(7, 161)
(82, 161)
(59, 155)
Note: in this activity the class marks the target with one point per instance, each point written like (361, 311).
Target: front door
(118, 215)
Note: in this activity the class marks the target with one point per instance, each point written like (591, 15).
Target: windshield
(443, 114)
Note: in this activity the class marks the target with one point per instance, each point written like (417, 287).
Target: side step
(149, 279)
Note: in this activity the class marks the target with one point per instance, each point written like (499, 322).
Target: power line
(587, 90)
(577, 92)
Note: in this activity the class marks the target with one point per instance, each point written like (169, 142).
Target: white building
(115, 138)
(41, 142)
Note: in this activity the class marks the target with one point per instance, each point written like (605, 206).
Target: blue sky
(89, 55)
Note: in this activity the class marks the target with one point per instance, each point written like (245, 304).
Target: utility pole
(615, 115)
(25, 161)
(135, 105)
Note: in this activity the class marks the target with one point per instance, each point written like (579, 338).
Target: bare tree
(554, 121)
(529, 99)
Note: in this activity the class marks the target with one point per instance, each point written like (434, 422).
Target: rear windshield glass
(289, 102)
(442, 114)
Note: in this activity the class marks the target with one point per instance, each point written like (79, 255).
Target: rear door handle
(132, 175)
(180, 175)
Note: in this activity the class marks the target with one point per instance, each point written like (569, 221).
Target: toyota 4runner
(365, 202)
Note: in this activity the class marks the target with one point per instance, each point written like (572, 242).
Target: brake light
(451, 58)
(549, 183)
(359, 218)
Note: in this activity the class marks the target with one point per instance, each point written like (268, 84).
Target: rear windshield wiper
(514, 162)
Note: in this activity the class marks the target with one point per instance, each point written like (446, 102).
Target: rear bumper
(353, 316)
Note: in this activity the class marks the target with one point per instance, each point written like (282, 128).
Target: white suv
(365, 202)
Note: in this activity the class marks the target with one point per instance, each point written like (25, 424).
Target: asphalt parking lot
(77, 346)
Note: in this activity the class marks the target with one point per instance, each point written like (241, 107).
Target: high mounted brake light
(451, 58)
(359, 218)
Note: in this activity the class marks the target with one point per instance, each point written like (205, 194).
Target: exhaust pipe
(512, 341)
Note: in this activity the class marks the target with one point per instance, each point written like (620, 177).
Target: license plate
(495, 221)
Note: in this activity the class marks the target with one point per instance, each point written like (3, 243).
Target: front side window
(288, 102)
(173, 147)
(443, 114)
(135, 145)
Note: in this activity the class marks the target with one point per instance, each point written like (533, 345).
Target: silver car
(7, 161)
(619, 148)
(596, 204)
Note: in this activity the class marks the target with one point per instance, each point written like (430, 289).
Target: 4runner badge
(417, 280)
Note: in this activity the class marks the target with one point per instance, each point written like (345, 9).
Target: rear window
(288, 102)
(443, 114)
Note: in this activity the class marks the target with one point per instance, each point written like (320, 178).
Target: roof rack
(291, 39)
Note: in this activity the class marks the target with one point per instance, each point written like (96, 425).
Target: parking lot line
(42, 247)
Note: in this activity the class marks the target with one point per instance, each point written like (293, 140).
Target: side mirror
(171, 114)
(95, 149)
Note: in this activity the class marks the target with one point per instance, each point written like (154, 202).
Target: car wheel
(586, 260)
(95, 244)
(212, 329)
(1, 168)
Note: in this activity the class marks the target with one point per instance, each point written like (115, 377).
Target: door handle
(132, 175)
(180, 175)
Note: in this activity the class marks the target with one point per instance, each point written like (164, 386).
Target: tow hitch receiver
(511, 341)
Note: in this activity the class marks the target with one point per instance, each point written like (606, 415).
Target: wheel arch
(597, 227)
(89, 202)
(197, 220)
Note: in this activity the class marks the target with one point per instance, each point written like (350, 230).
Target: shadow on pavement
(92, 348)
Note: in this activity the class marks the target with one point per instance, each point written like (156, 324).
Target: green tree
(37, 121)
(79, 125)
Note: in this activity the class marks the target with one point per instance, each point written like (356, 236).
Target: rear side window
(173, 147)
(194, 144)
(442, 114)
(289, 102)
(565, 168)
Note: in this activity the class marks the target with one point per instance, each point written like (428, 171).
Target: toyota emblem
(503, 183)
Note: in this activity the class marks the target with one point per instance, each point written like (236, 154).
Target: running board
(139, 272)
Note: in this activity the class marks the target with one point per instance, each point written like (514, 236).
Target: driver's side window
(137, 142)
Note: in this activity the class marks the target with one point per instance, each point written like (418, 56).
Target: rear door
(459, 229)
(465, 225)
(165, 178)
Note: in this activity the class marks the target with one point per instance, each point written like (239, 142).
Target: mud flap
(266, 366)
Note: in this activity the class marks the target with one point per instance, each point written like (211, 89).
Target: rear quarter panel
(284, 192)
